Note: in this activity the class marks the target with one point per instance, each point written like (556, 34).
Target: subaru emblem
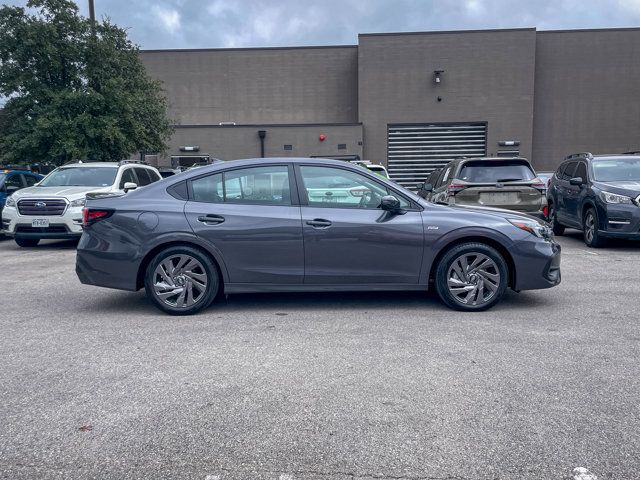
(40, 205)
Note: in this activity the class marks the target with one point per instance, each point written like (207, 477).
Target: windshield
(618, 170)
(492, 172)
(80, 177)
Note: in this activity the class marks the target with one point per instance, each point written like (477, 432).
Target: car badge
(499, 185)
(40, 205)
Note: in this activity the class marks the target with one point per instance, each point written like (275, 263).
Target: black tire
(592, 238)
(557, 228)
(172, 255)
(446, 268)
(27, 242)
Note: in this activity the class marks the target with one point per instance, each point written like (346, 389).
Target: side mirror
(390, 203)
(130, 186)
(577, 181)
(12, 189)
(427, 187)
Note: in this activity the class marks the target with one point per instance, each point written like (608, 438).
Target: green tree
(75, 91)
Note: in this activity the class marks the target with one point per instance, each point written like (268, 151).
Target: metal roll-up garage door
(416, 150)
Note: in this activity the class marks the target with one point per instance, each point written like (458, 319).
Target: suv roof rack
(70, 162)
(578, 155)
(124, 162)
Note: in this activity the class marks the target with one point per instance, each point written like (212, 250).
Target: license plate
(40, 223)
(499, 198)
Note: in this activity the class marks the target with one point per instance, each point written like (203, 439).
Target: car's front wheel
(27, 242)
(590, 229)
(471, 277)
(181, 280)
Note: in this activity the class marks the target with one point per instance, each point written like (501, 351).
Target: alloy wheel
(589, 227)
(473, 279)
(180, 281)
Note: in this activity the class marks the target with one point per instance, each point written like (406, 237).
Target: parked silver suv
(53, 207)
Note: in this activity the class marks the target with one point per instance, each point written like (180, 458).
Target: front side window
(617, 170)
(80, 177)
(581, 171)
(31, 180)
(338, 188)
(567, 173)
(127, 177)
(267, 185)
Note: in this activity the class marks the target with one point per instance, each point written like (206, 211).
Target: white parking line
(212, 477)
(286, 476)
(581, 473)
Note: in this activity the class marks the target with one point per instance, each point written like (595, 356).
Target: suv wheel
(471, 277)
(181, 280)
(590, 229)
(27, 242)
(553, 219)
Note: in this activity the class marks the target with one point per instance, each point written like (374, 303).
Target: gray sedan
(305, 225)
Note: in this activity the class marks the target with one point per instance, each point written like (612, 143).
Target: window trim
(293, 191)
(304, 200)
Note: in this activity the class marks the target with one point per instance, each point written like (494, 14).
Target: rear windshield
(617, 170)
(80, 177)
(495, 171)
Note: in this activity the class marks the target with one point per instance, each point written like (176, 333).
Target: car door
(250, 216)
(575, 193)
(348, 240)
(563, 200)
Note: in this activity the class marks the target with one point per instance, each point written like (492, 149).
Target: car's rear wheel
(590, 229)
(553, 219)
(471, 277)
(27, 242)
(181, 280)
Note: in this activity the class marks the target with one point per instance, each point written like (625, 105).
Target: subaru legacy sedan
(305, 225)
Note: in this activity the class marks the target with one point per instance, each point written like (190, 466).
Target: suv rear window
(493, 171)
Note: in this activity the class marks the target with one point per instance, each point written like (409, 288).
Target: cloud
(169, 18)
(260, 23)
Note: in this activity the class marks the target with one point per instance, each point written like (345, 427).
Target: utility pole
(92, 17)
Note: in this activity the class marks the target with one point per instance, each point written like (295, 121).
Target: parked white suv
(53, 207)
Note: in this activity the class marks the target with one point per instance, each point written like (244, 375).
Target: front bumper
(620, 221)
(68, 225)
(537, 264)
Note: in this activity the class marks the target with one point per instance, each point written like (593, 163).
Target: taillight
(545, 211)
(455, 188)
(542, 187)
(90, 215)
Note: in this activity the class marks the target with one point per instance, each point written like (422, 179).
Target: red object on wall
(322, 137)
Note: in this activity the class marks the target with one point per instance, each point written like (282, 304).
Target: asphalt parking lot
(97, 383)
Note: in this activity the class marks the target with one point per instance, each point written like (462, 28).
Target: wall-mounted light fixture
(437, 76)
(509, 143)
(189, 148)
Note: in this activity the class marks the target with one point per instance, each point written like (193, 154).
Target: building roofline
(578, 30)
(235, 49)
(438, 32)
(269, 125)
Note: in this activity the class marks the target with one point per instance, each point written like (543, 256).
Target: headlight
(11, 202)
(614, 198)
(79, 202)
(533, 227)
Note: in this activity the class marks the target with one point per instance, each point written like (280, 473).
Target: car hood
(628, 187)
(71, 193)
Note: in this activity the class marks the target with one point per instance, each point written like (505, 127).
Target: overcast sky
(262, 23)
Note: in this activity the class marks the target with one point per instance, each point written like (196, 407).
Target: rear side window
(267, 185)
(143, 177)
(495, 171)
(31, 180)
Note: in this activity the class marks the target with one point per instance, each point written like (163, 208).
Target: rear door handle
(319, 223)
(211, 219)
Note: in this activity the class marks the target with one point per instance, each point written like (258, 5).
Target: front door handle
(211, 219)
(319, 223)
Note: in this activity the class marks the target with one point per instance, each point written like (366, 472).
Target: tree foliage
(74, 92)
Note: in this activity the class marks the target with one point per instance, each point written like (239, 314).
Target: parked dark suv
(598, 194)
